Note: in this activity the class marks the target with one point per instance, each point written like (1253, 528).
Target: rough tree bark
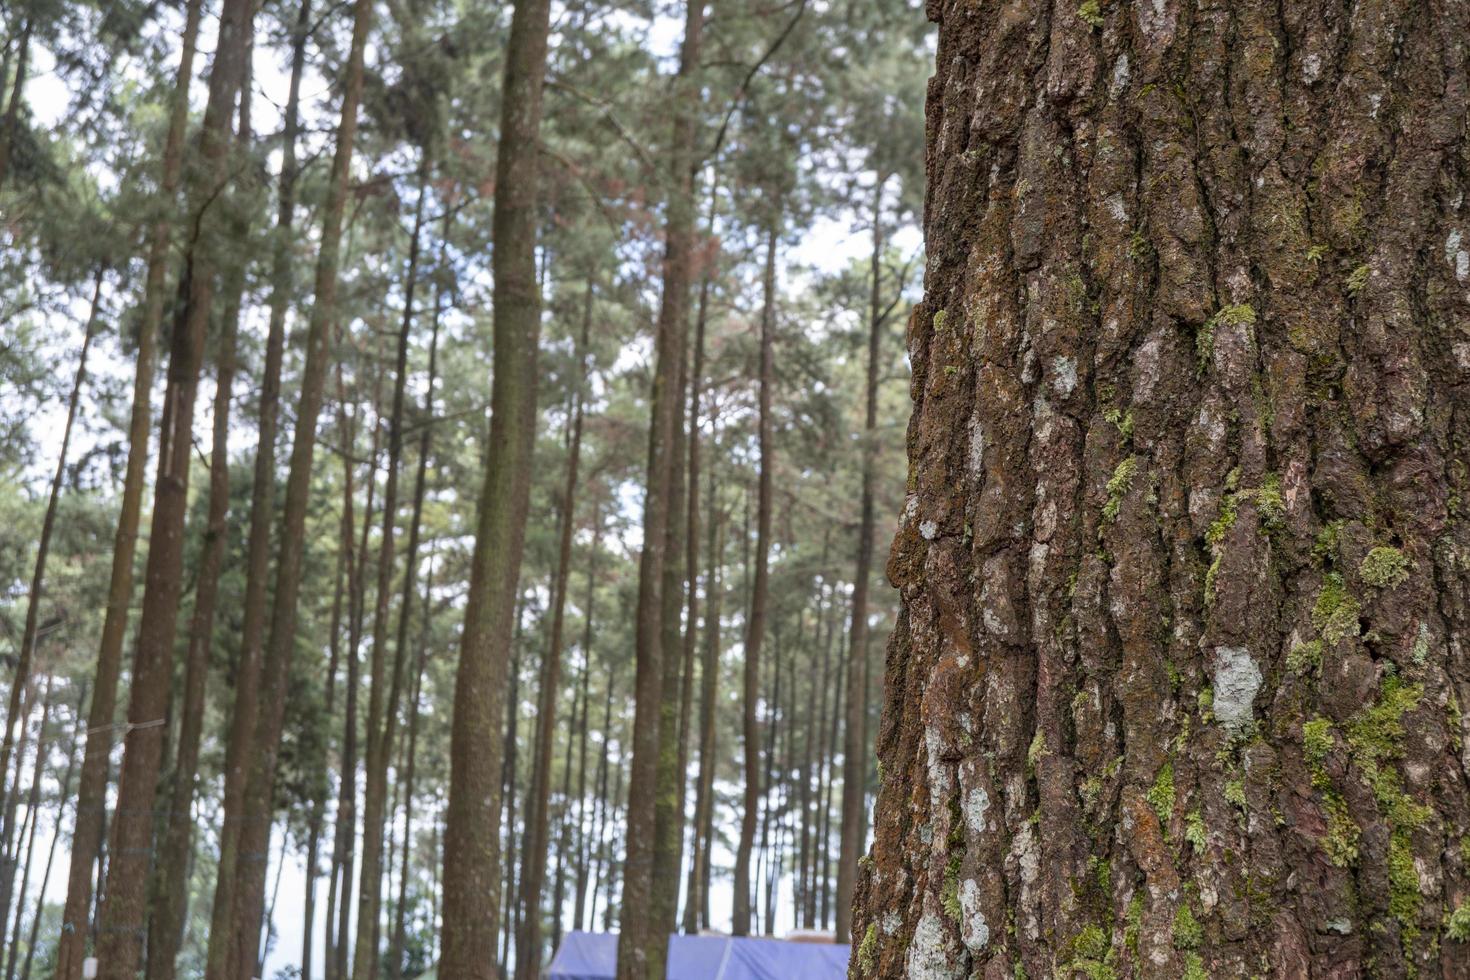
(1175, 685)
(472, 820)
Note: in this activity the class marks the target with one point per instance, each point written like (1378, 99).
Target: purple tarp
(593, 956)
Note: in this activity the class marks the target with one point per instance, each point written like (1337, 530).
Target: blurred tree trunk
(759, 595)
(63, 798)
(641, 948)
(420, 491)
(28, 829)
(855, 744)
(385, 682)
(11, 119)
(537, 836)
(20, 679)
(344, 848)
(579, 918)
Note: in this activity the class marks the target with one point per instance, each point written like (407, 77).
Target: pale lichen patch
(931, 954)
(977, 801)
(974, 930)
(1237, 680)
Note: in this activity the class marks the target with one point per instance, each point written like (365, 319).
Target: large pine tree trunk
(385, 683)
(86, 840)
(168, 899)
(755, 630)
(240, 891)
(123, 923)
(1175, 685)
(472, 827)
(642, 945)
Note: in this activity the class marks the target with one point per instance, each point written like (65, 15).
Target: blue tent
(594, 956)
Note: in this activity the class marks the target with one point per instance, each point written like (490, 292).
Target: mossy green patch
(1384, 568)
(1194, 967)
(1161, 794)
(1204, 341)
(1122, 420)
(1404, 899)
(1091, 12)
(1235, 792)
(1324, 549)
(1305, 658)
(1457, 923)
(1194, 830)
(1357, 280)
(1317, 741)
(949, 893)
(1118, 486)
(1091, 955)
(868, 949)
(1134, 929)
(1341, 842)
(1335, 614)
(1375, 735)
(1187, 931)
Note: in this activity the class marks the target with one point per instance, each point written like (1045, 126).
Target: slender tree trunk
(420, 489)
(528, 941)
(701, 864)
(600, 820)
(169, 884)
(775, 726)
(641, 948)
(240, 895)
(86, 842)
(472, 834)
(855, 745)
(33, 800)
(691, 618)
(319, 804)
(63, 798)
(382, 705)
(756, 624)
(835, 722)
(11, 118)
(339, 880)
(400, 918)
(508, 785)
(563, 844)
(123, 926)
(579, 919)
(610, 916)
(800, 914)
(21, 678)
